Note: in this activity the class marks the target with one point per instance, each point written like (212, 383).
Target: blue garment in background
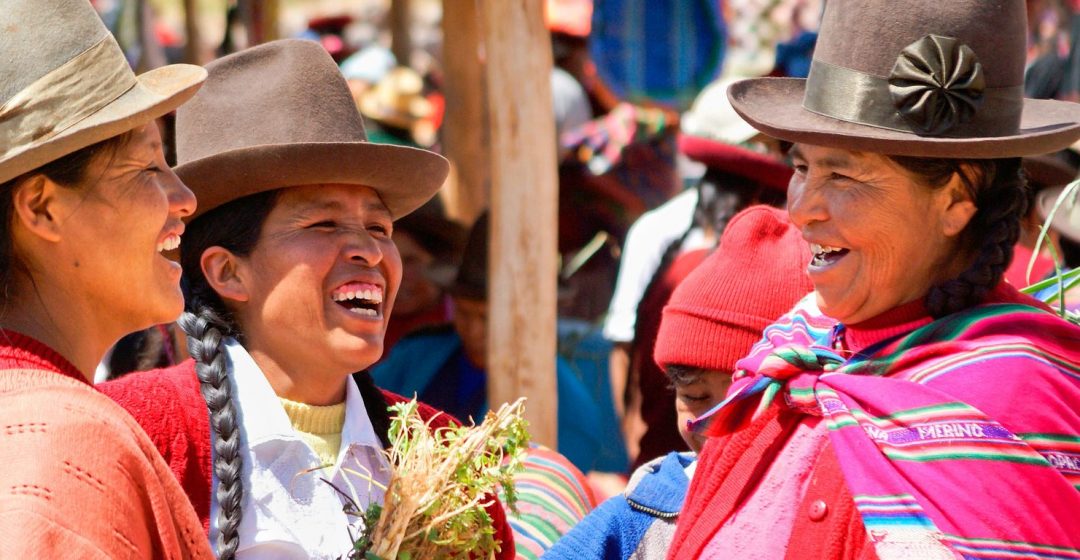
(588, 430)
(639, 57)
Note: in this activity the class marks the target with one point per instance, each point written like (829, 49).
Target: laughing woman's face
(116, 228)
(321, 281)
(879, 237)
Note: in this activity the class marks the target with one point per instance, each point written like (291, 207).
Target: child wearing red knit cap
(712, 320)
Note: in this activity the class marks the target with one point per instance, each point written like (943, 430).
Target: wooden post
(400, 31)
(465, 126)
(524, 201)
(193, 47)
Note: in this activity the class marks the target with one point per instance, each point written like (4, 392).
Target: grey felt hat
(914, 78)
(281, 115)
(65, 84)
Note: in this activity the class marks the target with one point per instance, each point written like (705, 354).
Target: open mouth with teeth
(170, 243)
(825, 255)
(359, 298)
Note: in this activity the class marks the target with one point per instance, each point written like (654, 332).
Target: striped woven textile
(553, 495)
(961, 437)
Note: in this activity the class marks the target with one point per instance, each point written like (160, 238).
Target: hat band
(75, 90)
(853, 96)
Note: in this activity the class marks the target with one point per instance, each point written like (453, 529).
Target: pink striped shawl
(959, 438)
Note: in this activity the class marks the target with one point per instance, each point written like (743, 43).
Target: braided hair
(999, 190)
(234, 226)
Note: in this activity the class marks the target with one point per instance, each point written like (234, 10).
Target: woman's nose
(806, 203)
(181, 199)
(362, 247)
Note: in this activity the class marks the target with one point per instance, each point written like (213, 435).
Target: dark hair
(142, 351)
(681, 376)
(234, 226)
(68, 171)
(999, 190)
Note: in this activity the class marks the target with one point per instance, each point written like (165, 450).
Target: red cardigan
(167, 403)
(827, 525)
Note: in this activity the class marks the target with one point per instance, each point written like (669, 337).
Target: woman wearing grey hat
(915, 406)
(292, 275)
(87, 206)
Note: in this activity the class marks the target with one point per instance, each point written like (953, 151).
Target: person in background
(291, 275)
(447, 367)
(87, 207)
(713, 318)
(430, 245)
(553, 496)
(917, 406)
(741, 168)
(1046, 175)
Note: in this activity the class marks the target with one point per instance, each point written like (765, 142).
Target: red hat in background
(712, 133)
(719, 311)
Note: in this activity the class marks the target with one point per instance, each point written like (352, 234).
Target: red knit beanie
(719, 311)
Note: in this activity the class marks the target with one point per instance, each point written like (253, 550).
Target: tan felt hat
(914, 78)
(65, 84)
(281, 115)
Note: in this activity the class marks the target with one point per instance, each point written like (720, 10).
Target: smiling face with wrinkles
(879, 237)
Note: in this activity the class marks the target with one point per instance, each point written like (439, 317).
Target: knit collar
(665, 490)
(910, 316)
(18, 351)
(312, 419)
(896, 321)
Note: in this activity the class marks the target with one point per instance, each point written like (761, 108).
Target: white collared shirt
(288, 511)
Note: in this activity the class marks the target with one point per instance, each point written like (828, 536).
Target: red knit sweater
(168, 405)
(80, 479)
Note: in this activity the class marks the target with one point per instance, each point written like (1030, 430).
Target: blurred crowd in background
(653, 162)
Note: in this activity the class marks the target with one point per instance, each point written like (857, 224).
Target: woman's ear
(35, 207)
(959, 205)
(224, 272)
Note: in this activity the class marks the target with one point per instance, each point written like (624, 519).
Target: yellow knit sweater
(320, 426)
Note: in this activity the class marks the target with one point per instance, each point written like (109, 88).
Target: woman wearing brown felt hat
(87, 206)
(914, 406)
(291, 276)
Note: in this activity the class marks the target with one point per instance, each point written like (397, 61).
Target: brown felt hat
(281, 115)
(65, 84)
(915, 78)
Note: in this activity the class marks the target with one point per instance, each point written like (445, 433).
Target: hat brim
(405, 178)
(1048, 171)
(155, 93)
(774, 106)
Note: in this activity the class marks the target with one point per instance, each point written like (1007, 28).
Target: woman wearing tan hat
(291, 275)
(88, 204)
(916, 406)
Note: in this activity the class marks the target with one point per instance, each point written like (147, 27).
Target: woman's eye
(693, 398)
(800, 168)
(838, 177)
(380, 229)
(325, 224)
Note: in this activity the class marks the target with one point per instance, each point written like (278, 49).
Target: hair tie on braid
(206, 333)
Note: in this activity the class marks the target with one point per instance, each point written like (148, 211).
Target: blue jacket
(638, 523)
(587, 431)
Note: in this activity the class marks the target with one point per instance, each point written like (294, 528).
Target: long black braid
(234, 226)
(999, 190)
